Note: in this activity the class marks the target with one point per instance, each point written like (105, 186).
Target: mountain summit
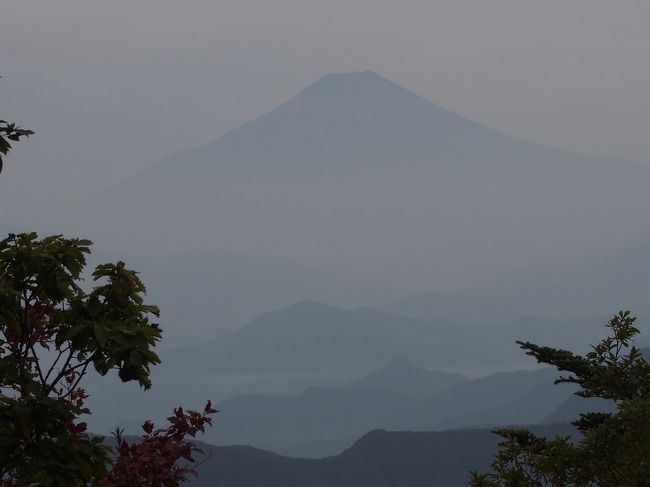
(343, 119)
(364, 178)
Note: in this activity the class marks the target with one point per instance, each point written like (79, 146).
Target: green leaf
(101, 334)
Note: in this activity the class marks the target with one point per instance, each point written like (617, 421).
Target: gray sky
(111, 87)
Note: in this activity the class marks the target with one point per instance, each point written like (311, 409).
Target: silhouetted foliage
(51, 332)
(10, 132)
(615, 448)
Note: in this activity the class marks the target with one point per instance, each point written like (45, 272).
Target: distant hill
(315, 337)
(286, 351)
(500, 399)
(363, 178)
(378, 459)
(204, 293)
(320, 420)
(279, 422)
(571, 409)
(403, 377)
(589, 285)
(532, 405)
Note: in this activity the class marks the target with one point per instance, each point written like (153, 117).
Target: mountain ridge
(380, 458)
(317, 336)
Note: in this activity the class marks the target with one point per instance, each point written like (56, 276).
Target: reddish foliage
(163, 457)
(43, 440)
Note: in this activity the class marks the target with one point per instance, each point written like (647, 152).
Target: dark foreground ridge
(379, 459)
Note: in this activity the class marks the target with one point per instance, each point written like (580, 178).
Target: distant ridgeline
(309, 341)
(378, 459)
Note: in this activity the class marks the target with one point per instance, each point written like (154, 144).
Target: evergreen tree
(614, 449)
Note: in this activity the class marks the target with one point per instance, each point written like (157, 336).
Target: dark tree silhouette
(614, 449)
(10, 132)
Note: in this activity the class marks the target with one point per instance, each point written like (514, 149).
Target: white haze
(111, 87)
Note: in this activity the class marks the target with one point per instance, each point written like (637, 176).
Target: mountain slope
(204, 293)
(277, 422)
(571, 409)
(322, 419)
(503, 398)
(286, 351)
(403, 377)
(591, 285)
(360, 176)
(378, 459)
(316, 337)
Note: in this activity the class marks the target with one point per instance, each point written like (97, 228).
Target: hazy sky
(111, 87)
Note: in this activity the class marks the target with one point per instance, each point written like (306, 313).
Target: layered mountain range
(309, 379)
(378, 459)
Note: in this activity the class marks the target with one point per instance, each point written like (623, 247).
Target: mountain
(313, 336)
(283, 351)
(403, 377)
(204, 293)
(363, 178)
(530, 406)
(500, 399)
(571, 409)
(378, 459)
(314, 344)
(591, 285)
(278, 422)
(320, 420)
